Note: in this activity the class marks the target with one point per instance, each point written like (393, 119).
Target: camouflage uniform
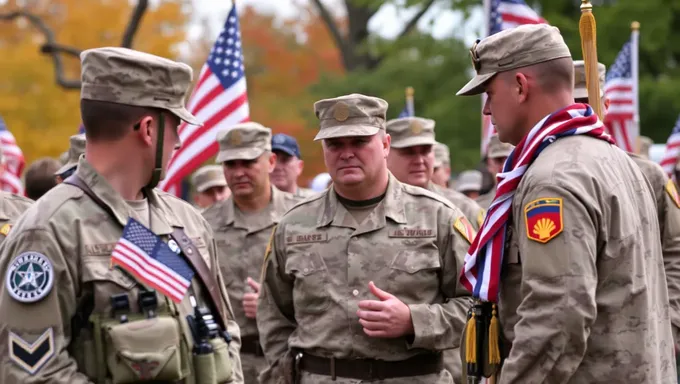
(588, 303)
(57, 263)
(75, 150)
(12, 206)
(242, 237)
(321, 260)
(495, 150)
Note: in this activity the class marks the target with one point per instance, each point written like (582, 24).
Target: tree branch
(333, 28)
(50, 42)
(54, 49)
(414, 20)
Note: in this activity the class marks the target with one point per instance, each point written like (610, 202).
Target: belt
(371, 369)
(251, 345)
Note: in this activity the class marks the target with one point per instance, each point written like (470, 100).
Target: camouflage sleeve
(557, 240)
(669, 222)
(232, 326)
(275, 313)
(439, 326)
(37, 303)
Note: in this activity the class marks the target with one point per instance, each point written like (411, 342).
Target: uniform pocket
(415, 268)
(311, 279)
(144, 350)
(223, 364)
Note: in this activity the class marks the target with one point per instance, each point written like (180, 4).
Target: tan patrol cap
(245, 141)
(126, 76)
(442, 155)
(497, 149)
(411, 131)
(75, 149)
(513, 48)
(580, 90)
(207, 177)
(470, 180)
(350, 115)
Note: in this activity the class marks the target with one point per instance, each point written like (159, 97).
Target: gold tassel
(471, 340)
(494, 349)
(587, 29)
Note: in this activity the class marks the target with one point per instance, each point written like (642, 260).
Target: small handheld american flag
(670, 157)
(149, 259)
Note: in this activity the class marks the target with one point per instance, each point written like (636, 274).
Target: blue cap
(285, 143)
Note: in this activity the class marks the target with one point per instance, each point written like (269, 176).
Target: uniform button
(355, 292)
(305, 270)
(413, 268)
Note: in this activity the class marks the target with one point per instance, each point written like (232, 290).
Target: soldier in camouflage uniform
(411, 161)
(67, 313)
(359, 282)
(583, 297)
(210, 186)
(496, 153)
(665, 194)
(289, 165)
(441, 174)
(242, 226)
(75, 150)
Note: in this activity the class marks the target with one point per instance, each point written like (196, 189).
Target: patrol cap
(244, 141)
(645, 144)
(286, 143)
(350, 115)
(126, 76)
(75, 149)
(498, 149)
(580, 90)
(411, 131)
(442, 156)
(207, 177)
(470, 180)
(513, 48)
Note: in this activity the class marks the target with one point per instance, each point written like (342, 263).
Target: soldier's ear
(522, 86)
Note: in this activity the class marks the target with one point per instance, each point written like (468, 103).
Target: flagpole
(588, 32)
(410, 106)
(487, 32)
(634, 49)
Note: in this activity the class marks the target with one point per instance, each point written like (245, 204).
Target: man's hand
(387, 317)
(250, 299)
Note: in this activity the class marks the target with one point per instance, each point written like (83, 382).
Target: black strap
(188, 248)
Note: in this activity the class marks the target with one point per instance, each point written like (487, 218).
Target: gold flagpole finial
(635, 25)
(588, 31)
(409, 91)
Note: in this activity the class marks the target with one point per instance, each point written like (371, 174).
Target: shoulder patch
(31, 356)
(30, 277)
(5, 229)
(463, 226)
(543, 218)
(480, 217)
(673, 192)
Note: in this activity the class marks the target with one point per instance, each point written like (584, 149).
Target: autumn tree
(41, 113)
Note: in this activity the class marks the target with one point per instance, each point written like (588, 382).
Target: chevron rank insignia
(5, 229)
(673, 192)
(543, 218)
(463, 226)
(31, 356)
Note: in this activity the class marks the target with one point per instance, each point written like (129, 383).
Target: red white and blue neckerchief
(483, 261)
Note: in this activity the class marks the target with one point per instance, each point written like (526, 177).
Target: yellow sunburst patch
(463, 226)
(673, 192)
(543, 218)
(5, 229)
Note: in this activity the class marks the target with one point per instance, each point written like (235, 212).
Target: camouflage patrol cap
(470, 180)
(513, 48)
(411, 131)
(442, 156)
(245, 141)
(207, 177)
(350, 115)
(497, 149)
(580, 90)
(126, 76)
(75, 149)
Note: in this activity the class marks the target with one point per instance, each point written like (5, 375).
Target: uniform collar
(162, 218)
(391, 207)
(269, 216)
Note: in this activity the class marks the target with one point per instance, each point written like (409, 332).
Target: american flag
(10, 180)
(144, 255)
(619, 89)
(505, 14)
(408, 110)
(670, 157)
(219, 100)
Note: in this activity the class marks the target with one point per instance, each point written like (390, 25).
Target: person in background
(289, 165)
(442, 165)
(469, 183)
(645, 144)
(39, 177)
(496, 154)
(210, 186)
(75, 149)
